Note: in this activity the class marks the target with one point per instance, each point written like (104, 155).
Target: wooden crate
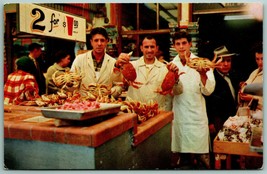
(233, 148)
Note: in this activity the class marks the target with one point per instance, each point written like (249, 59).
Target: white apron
(190, 131)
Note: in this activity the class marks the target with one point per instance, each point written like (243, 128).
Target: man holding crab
(190, 131)
(150, 74)
(96, 66)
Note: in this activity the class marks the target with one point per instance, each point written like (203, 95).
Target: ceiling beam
(167, 12)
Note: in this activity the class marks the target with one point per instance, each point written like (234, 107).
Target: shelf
(138, 32)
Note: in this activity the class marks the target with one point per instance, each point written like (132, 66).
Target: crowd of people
(201, 99)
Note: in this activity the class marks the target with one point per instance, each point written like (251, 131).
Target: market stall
(241, 135)
(110, 142)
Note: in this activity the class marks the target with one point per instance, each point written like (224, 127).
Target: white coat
(190, 131)
(255, 77)
(151, 82)
(84, 64)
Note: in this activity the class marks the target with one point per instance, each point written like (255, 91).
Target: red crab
(129, 75)
(168, 83)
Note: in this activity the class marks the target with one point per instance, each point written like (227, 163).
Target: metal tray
(105, 109)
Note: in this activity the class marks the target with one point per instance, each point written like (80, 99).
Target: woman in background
(21, 85)
(60, 66)
(256, 77)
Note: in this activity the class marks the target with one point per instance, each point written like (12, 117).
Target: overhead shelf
(159, 31)
(219, 11)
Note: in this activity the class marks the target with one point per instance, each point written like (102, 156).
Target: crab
(200, 63)
(168, 83)
(144, 111)
(67, 79)
(95, 90)
(129, 74)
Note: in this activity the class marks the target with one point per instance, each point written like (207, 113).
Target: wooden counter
(114, 142)
(227, 148)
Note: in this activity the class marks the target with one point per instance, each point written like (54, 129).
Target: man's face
(37, 52)
(149, 48)
(181, 46)
(99, 43)
(259, 60)
(225, 65)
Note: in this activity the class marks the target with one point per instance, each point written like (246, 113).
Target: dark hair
(257, 48)
(25, 64)
(149, 37)
(34, 46)
(99, 30)
(180, 35)
(61, 54)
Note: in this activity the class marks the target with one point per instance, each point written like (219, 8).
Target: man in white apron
(190, 131)
(96, 66)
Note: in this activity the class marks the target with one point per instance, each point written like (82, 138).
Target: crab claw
(135, 84)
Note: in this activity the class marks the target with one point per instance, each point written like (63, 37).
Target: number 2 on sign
(39, 16)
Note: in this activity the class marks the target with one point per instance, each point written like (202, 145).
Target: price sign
(35, 19)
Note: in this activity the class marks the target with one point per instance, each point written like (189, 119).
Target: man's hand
(203, 75)
(245, 97)
(172, 67)
(122, 59)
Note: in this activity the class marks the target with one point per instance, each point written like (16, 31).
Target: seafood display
(202, 63)
(66, 79)
(80, 105)
(144, 111)
(96, 91)
(47, 100)
(238, 129)
(79, 110)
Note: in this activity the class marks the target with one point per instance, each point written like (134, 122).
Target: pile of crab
(48, 100)
(144, 111)
(238, 129)
(102, 93)
(97, 92)
(67, 80)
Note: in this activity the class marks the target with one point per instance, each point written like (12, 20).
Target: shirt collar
(156, 62)
(32, 58)
(223, 75)
(259, 72)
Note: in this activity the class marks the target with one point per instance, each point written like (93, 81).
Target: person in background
(35, 52)
(151, 73)
(222, 103)
(245, 99)
(256, 77)
(190, 131)
(21, 84)
(160, 56)
(60, 66)
(96, 65)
